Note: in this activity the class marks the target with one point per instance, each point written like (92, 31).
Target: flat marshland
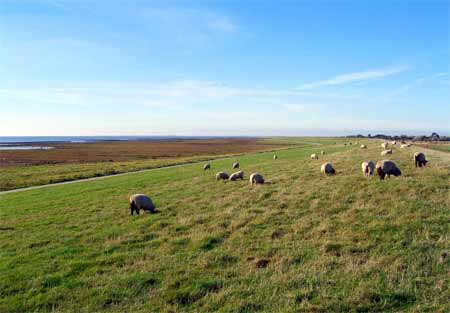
(72, 161)
(300, 243)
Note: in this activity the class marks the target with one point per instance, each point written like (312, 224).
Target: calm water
(14, 147)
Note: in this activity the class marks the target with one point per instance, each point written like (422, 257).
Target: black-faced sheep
(237, 175)
(235, 165)
(327, 169)
(314, 156)
(394, 142)
(387, 168)
(207, 167)
(275, 157)
(141, 202)
(384, 145)
(363, 147)
(222, 175)
(257, 179)
(367, 168)
(322, 152)
(386, 152)
(419, 159)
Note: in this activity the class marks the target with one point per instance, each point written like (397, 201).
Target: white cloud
(356, 77)
(295, 107)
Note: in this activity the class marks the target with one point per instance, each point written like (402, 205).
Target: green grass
(300, 243)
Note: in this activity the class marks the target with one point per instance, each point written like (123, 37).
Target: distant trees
(434, 137)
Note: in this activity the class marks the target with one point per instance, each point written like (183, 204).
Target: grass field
(69, 162)
(300, 243)
(442, 146)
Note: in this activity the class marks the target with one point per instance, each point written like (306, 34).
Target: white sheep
(327, 169)
(141, 202)
(314, 156)
(275, 157)
(257, 179)
(207, 166)
(322, 152)
(235, 165)
(387, 167)
(222, 175)
(386, 152)
(394, 142)
(363, 147)
(237, 175)
(384, 145)
(367, 168)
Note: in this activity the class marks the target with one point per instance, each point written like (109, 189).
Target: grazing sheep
(367, 168)
(419, 159)
(384, 145)
(236, 165)
(237, 175)
(349, 143)
(394, 142)
(327, 169)
(403, 146)
(257, 179)
(387, 167)
(386, 152)
(363, 147)
(222, 175)
(141, 202)
(345, 144)
(275, 157)
(314, 156)
(322, 152)
(207, 167)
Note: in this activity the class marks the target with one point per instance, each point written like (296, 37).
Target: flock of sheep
(383, 168)
(255, 178)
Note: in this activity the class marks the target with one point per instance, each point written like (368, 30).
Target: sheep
(327, 169)
(363, 147)
(235, 165)
(419, 159)
(141, 202)
(275, 157)
(237, 175)
(349, 143)
(367, 168)
(387, 167)
(314, 156)
(386, 152)
(394, 142)
(322, 152)
(257, 179)
(222, 175)
(207, 166)
(403, 146)
(384, 145)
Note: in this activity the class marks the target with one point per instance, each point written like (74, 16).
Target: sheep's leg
(132, 206)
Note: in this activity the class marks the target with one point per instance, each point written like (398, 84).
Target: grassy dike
(300, 243)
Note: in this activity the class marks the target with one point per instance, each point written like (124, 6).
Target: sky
(225, 68)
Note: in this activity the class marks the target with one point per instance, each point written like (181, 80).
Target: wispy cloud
(295, 107)
(357, 77)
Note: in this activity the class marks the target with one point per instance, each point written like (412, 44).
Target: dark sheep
(387, 168)
(419, 159)
(141, 202)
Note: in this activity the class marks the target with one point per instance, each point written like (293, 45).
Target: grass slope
(302, 242)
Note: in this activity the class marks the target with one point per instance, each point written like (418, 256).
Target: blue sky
(223, 68)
